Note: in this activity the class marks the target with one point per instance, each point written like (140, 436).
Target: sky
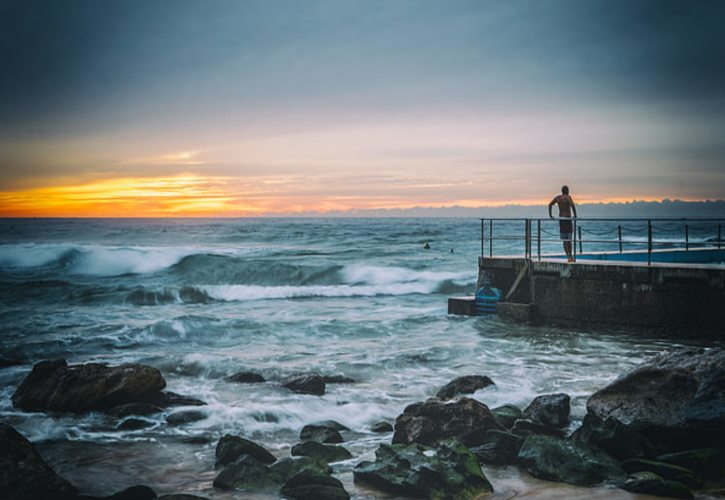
(247, 108)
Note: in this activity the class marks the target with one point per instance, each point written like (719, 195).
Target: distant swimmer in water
(426, 246)
(566, 228)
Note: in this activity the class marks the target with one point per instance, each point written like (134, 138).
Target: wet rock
(324, 452)
(167, 399)
(185, 417)
(705, 462)
(230, 448)
(467, 384)
(289, 466)
(138, 492)
(506, 415)
(23, 473)
(524, 427)
(246, 378)
(55, 386)
(332, 424)
(320, 433)
(677, 400)
(338, 379)
(549, 409)
(498, 447)
(181, 496)
(649, 483)
(309, 485)
(612, 436)
(664, 470)
(381, 427)
(566, 461)
(434, 420)
(449, 471)
(127, 409)
(305, 383)
(134, 424)
(248, 473)
(7, 363)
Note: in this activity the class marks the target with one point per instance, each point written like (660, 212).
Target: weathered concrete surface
(462, 305)
(663, 298)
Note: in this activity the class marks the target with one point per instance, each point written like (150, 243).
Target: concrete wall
(664, 299)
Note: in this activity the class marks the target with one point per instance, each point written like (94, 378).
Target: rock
(55, 386)
(127, 409)
(467, 384)
(289, 466)
(338, 379)
(309, 485)
(185, 417)
(320, 433)
(706, 462)
(434, 420)
(549, 409)
(649, 483)
(7, 363)
(524, 427)
(248, 473)
(676, 400)
(664, 470)
(612, 436)
(139, 492)
(23, 473)
(498, 447)
(381, 427)
(566, 461)
(230, 448)
(506, 415)
(181, 496)
(167, 399)
(134, 424)
(306, 383)
(332, 424)
(245, 378)
(324, 452)
(449, 471)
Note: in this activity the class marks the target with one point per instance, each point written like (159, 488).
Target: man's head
(564, 189)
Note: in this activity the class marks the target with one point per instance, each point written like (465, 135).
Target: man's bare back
(565, 204)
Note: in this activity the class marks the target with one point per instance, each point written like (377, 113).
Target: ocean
(201, 299)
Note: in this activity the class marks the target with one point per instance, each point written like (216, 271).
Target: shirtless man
(566, 228)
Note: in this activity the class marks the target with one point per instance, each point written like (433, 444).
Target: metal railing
(650, 234)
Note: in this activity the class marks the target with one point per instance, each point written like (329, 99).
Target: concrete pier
(664, 298)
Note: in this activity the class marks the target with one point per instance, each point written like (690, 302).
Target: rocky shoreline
(658, 429)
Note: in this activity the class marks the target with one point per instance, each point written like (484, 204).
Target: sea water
(201, 299)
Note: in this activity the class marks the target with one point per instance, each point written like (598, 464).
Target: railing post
(687, 237)
(483, 238)
(649, 242)
(574, 228)
(490, 237)
(538, 237)
(619, 231)
(581, 248)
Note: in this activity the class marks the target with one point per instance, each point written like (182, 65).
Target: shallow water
(203, 299)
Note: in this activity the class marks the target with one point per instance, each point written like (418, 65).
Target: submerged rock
(134, 424)
(566, 461)
(449, 471)
(23, 473)
(612, 436)
(649, 483)
(310, 485)
(320, 433)
(305, 383)
(467, 384)
(230, 448)
(338, 379)
(506, 415)
(498, 447)
(185, 417)
(246, 378)
(127, 409)
(549, 409)
(55, 386)
(434, 420)
(7, 363)
(664, 470)
(324, 452)
(381, 427)
(167, 399)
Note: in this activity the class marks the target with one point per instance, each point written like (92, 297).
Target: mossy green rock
(566, 461)
(707, 462)
(248, 473)
(499, 447)
(230, 448)
(506, 415)
(324, 452)
(310, 485)
(664, 470)
(290, 466)
(614, 437)
(649, 483)
(449, 471)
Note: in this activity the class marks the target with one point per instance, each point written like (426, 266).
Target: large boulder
(230, 448)
(248, 473)
(323, 452)
(467, 384)
(55, 386)
(434, 420)
(614, 437)
(310, 485)
(507, 415)
(526, 427)
(289, 466)
(245, 378)
(305, 383)
(23, 473)
(677, 400)
(549, 409)
(448, 471)
(566, 461)
(320, 433)
(498, 447)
